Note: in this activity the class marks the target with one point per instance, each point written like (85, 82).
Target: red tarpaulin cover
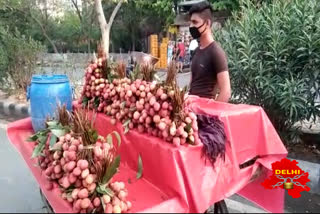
(178, 179)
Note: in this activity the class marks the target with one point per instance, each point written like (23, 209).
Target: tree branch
(104, 26)
(40, 25)
(46, 35)
(100, 14)
(114, 13)
(75, 4)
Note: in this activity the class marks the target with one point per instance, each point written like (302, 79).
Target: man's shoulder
(196, 49)
(216, 50)
(216, 46)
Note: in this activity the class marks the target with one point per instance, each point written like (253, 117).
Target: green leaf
(52, 123)
(96, 102)
(53, 140)
(112, 170)
(140, 168)
(38, 150)
(56, 126)
(126, 129)
(70, 189)
(109, 138)
(43, 139)
(188, 127)
(85, 101)
(33, 138)
(95, 135)
(126, 126)
(99, 190)
(118, 137)
(126, 123)
(102, 189)
(58, 132)
(36, 136)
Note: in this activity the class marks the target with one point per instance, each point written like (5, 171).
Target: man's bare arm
(216, 91)
(224, 86)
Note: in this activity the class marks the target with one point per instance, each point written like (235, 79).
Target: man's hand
(224, 85)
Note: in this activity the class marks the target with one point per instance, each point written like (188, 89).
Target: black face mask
(195, 33)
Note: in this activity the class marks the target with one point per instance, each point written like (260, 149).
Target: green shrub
(21, 55)
(274, 60)
(3, 57)
(233, 5)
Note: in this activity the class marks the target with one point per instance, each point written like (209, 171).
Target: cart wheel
(46, 203)
(218, 207)
(221, 207)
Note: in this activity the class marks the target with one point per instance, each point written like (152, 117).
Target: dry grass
(148, 72)
(171, 74)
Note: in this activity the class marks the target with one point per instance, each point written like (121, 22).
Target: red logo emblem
(288, 175)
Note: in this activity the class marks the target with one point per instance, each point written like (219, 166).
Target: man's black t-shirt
(206, 64)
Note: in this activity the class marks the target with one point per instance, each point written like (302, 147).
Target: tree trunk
(104, 26)
(51, 43)
(133, 42)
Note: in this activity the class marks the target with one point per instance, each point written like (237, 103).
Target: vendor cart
(178, 179)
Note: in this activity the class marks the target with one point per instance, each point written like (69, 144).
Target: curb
(11, 108)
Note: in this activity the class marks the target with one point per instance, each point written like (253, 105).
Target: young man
(209, 64)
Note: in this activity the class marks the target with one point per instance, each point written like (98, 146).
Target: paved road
(19, 190)
(183, 79)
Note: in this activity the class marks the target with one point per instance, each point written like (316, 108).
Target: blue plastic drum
(46, 93)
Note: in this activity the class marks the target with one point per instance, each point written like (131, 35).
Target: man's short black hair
(205, 10)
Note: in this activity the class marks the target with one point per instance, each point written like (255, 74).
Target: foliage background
(274, 60)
